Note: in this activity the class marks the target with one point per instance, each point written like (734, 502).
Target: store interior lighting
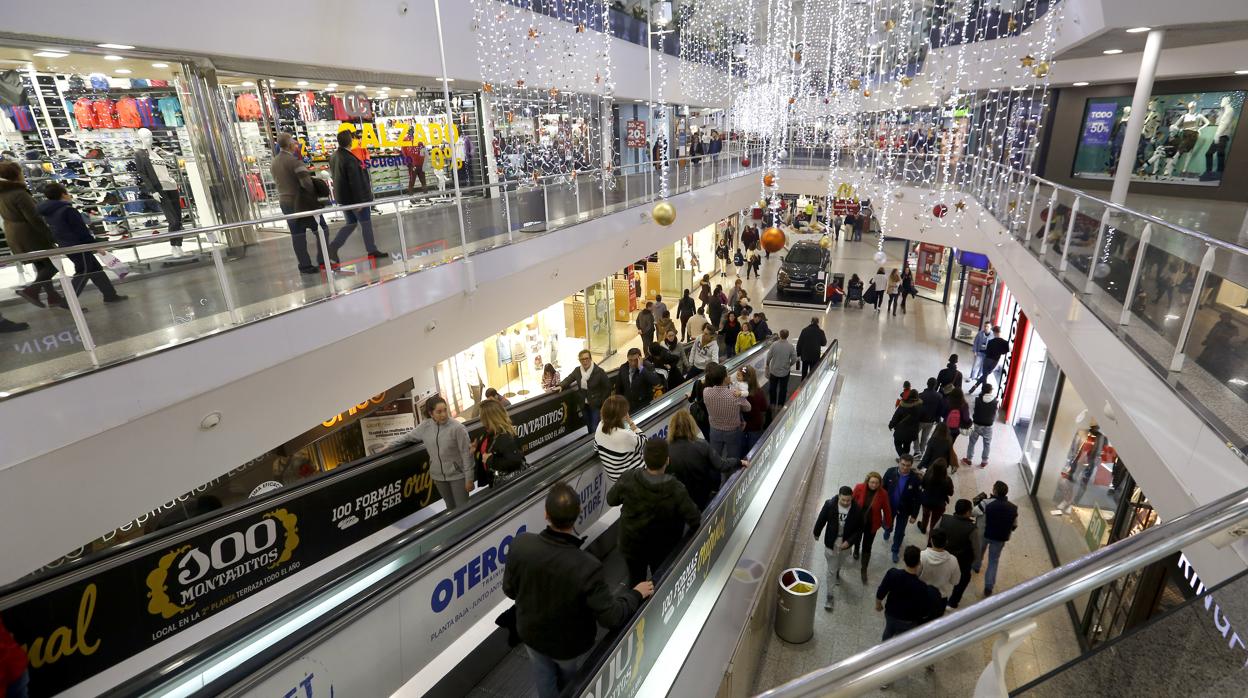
(1112, 51)
(117, 47)
(112, 57)
(1138, 30)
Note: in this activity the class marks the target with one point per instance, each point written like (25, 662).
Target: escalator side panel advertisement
(86, 626)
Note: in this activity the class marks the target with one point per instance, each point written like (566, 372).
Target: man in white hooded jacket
(939, 568)
(983, 416)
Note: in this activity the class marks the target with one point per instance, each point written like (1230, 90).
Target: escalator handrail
(572, 457)
(945, 636)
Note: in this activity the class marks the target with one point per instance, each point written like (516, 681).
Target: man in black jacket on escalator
(561, 594)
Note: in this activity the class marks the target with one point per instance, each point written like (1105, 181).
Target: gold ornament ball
(769, 179)
(663, 213)
(772, 239)
(825, 242)
(1040, 70)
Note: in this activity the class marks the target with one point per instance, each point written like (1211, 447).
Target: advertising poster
(1186, 138)
(387, 424)
(975, 298)
(930, 266)
(635, 134)
(87, 625)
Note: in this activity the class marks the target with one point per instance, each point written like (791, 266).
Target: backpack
(738, 259)
(954, 418)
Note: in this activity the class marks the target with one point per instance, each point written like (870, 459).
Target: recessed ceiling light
(1241, 72)
(1112, 51)
(359, 87)
(160, 65)
(248, 83)
(332, 85)
(302, 83)
(384, 89)
(1080, 84)
(122, 71)
(48, 53)
(1018, 88)
(112, 58)
(445, 79)
(407, 89)
(119, 47)
(330, 89)
(1138, 30)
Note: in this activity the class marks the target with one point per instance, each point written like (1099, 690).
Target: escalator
(130, 617)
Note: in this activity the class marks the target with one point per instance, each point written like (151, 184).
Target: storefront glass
(114, 133)
(400, 130)
(930, 265)
(1081, 484)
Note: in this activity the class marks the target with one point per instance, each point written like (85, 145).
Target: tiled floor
(878, 353)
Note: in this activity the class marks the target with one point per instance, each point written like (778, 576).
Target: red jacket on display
(879, 513)
(128, 113)
(83, 113)
(105, 114)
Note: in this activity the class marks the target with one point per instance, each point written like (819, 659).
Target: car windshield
(803, 255)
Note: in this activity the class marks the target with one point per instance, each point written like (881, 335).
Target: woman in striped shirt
(620, 444)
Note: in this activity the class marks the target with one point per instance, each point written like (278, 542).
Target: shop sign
(1221, 622)
(386, 424)
(1096, 528)
(928, 270)
(87, 626)
(635, 134)
(350, 416)
(978, 285)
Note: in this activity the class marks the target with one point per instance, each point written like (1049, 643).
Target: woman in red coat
(876, 513)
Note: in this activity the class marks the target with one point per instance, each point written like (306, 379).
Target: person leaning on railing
(450, 452)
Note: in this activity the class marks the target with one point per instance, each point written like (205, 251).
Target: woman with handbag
(497, 452)
(957, 418)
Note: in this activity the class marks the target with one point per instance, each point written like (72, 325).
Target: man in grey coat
(780, 359)
(295, 193)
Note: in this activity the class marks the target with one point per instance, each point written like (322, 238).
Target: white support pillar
(1139, 108)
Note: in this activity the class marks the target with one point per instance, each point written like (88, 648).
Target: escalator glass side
(411, 556)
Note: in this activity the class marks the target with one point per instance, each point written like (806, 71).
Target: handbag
(113, 263)
(870, 295)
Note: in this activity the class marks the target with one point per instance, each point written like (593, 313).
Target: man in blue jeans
(1000, 520)
(352, 185)
(911, 601)
(905, 496)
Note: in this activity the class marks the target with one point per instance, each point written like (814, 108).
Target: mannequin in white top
(156, 170)
(1188, 127)
(1221, 141)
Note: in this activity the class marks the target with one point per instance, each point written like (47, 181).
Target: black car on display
(804, 270)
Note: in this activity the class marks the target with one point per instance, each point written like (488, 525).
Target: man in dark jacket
(905, 422)
(911, 601)
(655, 511)
(351, 186)
(933, 410)
(685, 309)
(997, 347)
(749, 237)
(842, 518)
(645, 324)
(949, 377)
(295, 193)
(561, 594)
(963, 544)
(593, 388)
(810, 346)
(983, 416)
(636, 380)
(700, 468)
(905, 495)
(1000, 520)
(68, 230)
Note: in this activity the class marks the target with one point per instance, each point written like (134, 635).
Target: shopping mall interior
(243, 263)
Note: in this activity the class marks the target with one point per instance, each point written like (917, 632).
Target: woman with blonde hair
(894, 289)
(497, 452)
(620, 444)
(691, 460)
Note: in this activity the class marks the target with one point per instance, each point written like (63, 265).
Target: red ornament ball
(745, 162)
(939, 210)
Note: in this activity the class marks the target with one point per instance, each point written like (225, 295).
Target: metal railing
(246, 283)
(1015, 608)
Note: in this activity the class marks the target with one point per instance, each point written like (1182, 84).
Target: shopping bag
(114, 264)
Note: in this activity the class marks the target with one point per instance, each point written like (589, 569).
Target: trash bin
(795, 605)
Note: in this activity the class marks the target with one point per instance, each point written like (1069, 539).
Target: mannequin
(1119, 134)
(1221, 140)
(1152, 121)
(156, 177)
(1188, 128)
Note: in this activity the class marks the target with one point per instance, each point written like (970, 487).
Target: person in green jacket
(656, 508)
